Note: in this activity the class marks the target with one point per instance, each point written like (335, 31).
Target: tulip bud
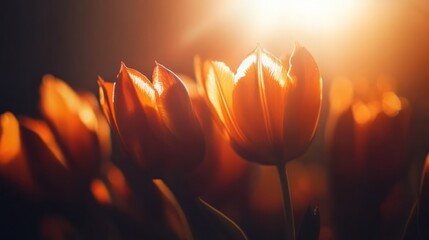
(154, 120)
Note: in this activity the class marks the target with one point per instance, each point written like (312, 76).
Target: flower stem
(289, 230)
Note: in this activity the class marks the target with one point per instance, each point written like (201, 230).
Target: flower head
(57, 156)
(268, 109)
(154, 120)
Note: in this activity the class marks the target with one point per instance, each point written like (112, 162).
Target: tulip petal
(106, 90)
(177, 115)
(102, 127)
(136, 116)
(261, 82)
(303, 103)
(174, 105)
(219, 85)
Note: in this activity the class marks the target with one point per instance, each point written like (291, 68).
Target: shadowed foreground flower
(57, 157)
(269, 109)
(154, 120)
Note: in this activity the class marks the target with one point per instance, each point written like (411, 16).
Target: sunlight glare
(324, 14)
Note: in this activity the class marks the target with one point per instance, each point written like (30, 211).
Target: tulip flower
(268, 109)
(77, 120)
(58, 156)
(154, 120)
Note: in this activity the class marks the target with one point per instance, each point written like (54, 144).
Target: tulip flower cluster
(185, 146)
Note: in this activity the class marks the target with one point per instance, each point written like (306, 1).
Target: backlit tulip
(154, 120)
(268, 109)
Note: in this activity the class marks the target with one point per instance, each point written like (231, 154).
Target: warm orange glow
(100, 192)
(391, 104)
(117, 180)
(361, 113)
(340, 95)
(10, 143)
(385, 83)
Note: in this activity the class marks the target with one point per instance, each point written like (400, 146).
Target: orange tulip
(268, 109)
(83, 133)
(154, 120)
(61, 155)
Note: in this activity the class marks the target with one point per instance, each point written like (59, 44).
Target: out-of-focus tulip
(78, 123)
(154, 120)
(368, 148)
(268, 109)
(370, 141)
(59, 157)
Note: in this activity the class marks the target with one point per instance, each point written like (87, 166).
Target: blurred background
(359, 40)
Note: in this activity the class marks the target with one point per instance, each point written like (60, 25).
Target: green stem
(287, 203)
